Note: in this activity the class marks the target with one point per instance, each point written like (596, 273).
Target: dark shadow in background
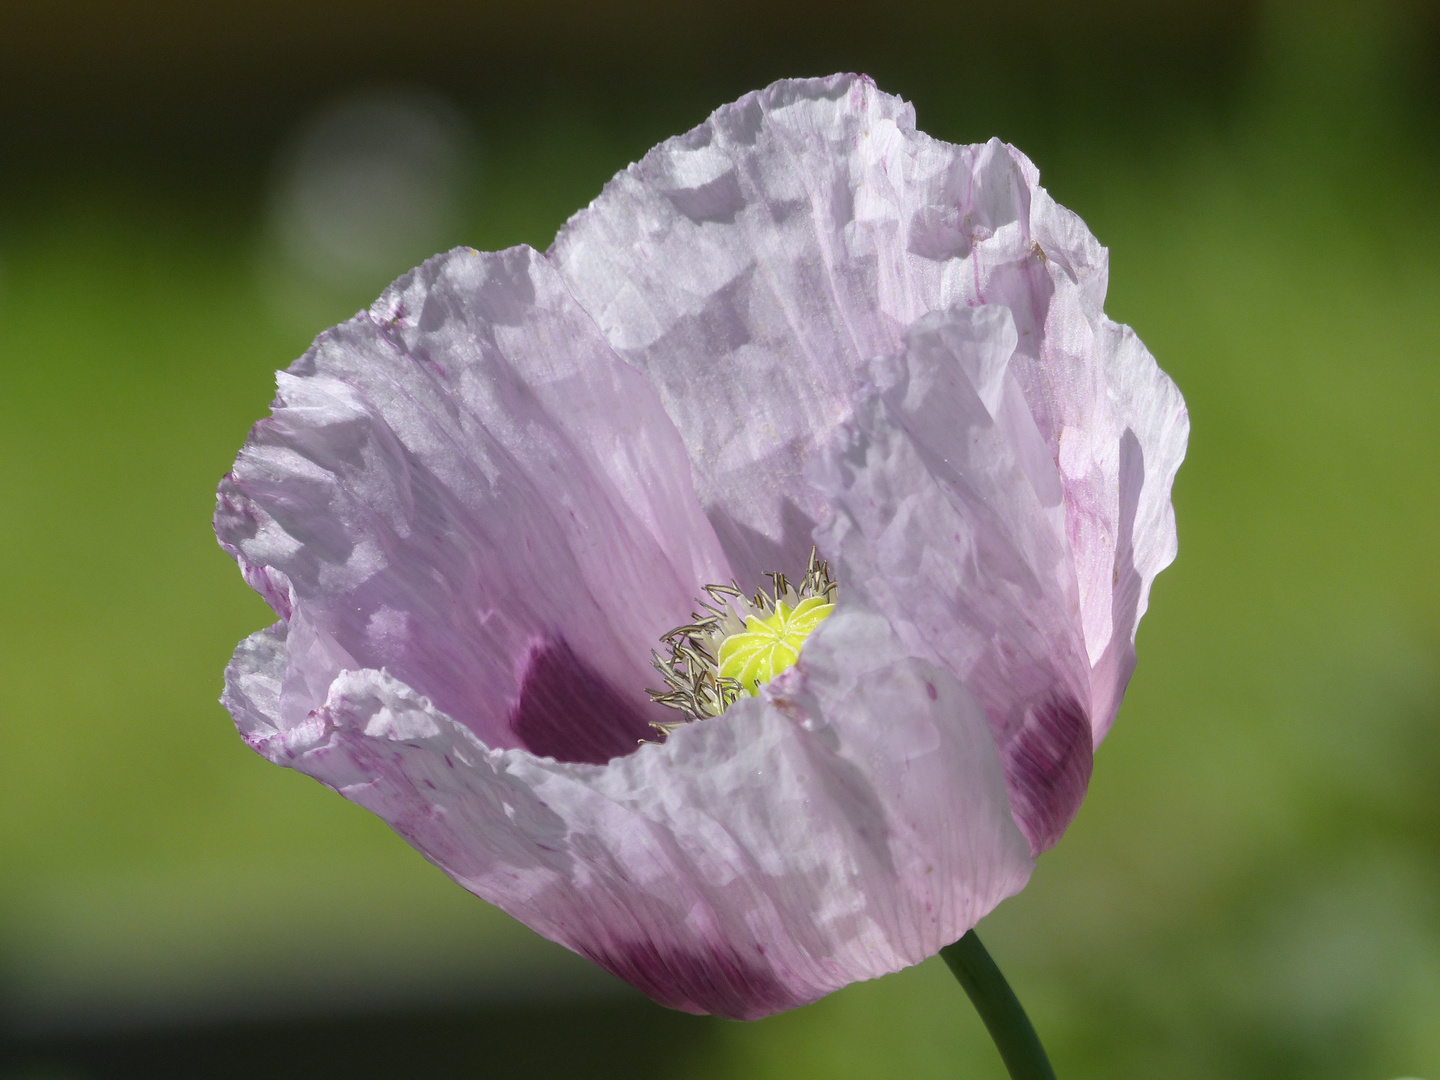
(189, 98)
(209, 89)
(628, 1039)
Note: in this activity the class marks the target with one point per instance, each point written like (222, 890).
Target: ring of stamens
(752, 637)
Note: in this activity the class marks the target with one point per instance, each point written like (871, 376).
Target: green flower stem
(998, 1006)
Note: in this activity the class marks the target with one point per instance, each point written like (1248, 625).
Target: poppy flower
(734, 593)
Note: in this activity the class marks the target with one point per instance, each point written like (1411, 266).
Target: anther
(735, 644)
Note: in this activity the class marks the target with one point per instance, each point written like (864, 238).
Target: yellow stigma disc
(768, 646)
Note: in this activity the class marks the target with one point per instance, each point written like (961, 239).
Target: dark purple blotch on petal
(568, 712)
(1047, 768)
(715, 979)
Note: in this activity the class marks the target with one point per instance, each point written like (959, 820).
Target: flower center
(735, 644)
(767, 647)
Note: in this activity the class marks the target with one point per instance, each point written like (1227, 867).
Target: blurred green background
(188, 193)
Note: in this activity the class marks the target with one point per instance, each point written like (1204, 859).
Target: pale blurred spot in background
(371, 181)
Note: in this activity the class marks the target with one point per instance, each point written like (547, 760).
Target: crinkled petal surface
(753, 267)
(940, 509)
(478, 505)
(740, 868)
(465, 487)
(464, 499)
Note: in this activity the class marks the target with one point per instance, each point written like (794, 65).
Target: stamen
(735, 644)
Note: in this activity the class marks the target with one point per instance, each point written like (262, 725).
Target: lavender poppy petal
(1117, 427)
(741, 868)
(253, 681)
(729, 266)
(754, 266)
(461, 485)
(943, 514)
